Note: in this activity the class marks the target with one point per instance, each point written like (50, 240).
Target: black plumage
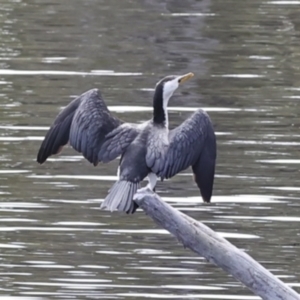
(193, 143)
(84, 123)
(145, 149)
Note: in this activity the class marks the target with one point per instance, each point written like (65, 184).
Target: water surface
(55, 242)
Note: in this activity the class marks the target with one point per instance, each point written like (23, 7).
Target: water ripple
(67, 73)
(284, 2)
(187, 296)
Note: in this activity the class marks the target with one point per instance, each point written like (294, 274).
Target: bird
(149, 149)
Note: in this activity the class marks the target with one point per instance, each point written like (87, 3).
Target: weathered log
(217, 250)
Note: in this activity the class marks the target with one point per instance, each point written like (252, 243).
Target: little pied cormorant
(147, 149)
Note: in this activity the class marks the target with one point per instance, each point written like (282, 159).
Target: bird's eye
(179, 80)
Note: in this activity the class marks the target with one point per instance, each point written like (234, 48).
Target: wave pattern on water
(55, 241)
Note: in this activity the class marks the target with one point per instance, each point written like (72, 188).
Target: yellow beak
(185, 77)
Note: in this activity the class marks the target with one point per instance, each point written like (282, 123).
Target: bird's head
(167, 86)
(163, 92)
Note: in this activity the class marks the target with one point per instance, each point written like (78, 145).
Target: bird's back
(133, 166)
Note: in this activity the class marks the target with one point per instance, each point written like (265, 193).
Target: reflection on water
(69, 73)
(55, 241)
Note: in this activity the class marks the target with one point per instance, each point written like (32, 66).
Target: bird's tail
(120, 197)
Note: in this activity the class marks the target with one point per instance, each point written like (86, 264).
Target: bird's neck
(160, 109)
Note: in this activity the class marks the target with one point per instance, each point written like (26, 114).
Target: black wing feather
(193, 143)
(204, 168)
(91, 123)
(53, 142)
(85, 123)
(185, 144)
(117, 141)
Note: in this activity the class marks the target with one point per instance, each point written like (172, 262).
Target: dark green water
(55, 243)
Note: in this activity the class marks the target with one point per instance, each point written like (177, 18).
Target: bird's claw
(140, 193)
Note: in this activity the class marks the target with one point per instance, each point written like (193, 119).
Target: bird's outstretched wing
(117, 141)
(85, 123)
(193, 143)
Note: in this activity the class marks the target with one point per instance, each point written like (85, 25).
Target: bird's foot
(146, 189)
(140, 193)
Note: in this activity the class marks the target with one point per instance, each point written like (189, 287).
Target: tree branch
(217, 250)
